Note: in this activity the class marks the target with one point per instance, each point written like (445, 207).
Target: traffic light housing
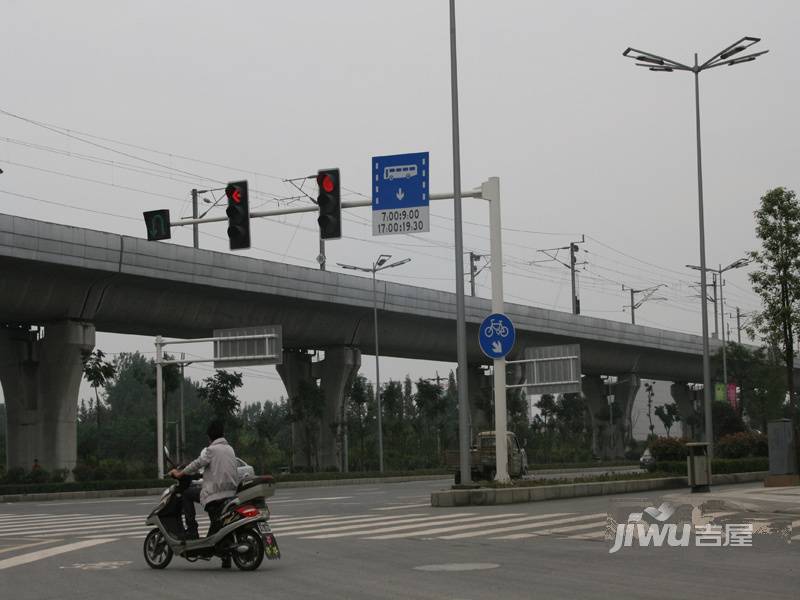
(238, 212)
(330, 204)
(157, 223)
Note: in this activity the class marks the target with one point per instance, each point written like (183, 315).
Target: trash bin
(699, 466)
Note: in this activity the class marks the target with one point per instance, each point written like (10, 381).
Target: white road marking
(553, 531)
(326, 526)
(30, 557)
(31, 545)
(594, 535)
(312, 499)
(57, 528)
(415, 524)
(572, 519)
(401, 506)
(469, 525)
(25, 518)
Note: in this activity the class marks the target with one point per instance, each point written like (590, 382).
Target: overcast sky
(192, 94)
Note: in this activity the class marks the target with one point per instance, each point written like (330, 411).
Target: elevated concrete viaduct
(74, 280)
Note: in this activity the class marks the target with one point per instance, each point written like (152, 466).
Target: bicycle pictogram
(495, 327)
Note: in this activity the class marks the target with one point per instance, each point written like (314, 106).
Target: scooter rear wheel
(157, 552)
(251, 559)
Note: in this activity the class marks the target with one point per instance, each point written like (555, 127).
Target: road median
(543, 491)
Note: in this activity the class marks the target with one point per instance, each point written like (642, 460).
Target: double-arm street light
(729, 56)
(378, 265)
(734, 265)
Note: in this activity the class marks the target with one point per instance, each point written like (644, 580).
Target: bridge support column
(41, 378)
(625, 392)
(684, 399)
(481, 400)
(294, 371)
(336, 373)
(609, 436)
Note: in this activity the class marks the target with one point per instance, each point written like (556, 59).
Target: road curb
(491, 496)
(95, 494)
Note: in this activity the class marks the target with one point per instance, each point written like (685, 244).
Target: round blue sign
(496, 335)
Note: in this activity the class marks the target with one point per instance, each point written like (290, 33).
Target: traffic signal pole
(490, 191)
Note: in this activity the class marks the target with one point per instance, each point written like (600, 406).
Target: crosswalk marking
(459, 536)
(402, 506)
(397, 522)
(433, 521)
(22, 559)
(336, 521)
(438, 530)
(553, 531)
(363, 524)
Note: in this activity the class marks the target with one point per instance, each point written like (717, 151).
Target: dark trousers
(214, 510)
(190, 496)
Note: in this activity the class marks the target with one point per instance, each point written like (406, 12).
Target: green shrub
(113, 470)
(742, 445)
(666, 449)
(719, 466)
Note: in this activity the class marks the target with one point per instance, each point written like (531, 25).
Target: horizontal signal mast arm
(304, 209)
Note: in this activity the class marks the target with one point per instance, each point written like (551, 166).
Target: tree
(668, 413)
(98, 372)
(217, 391)
(777, 279)
(649, 388)
(758, 375)
(307, 407)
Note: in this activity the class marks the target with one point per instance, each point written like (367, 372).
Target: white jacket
(220, 474)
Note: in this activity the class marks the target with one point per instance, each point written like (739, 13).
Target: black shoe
(226, 562)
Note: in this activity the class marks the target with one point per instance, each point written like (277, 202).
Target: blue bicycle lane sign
(496, 335)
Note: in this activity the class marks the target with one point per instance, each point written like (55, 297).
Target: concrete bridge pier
(610, 436)
(41, 377)
(481, 402)
(295, 369)
(334, 373)
(625, 391)
(685, 398)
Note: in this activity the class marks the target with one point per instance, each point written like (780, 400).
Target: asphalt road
(386, 541)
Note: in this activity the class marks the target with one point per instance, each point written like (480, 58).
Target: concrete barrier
(514, 495)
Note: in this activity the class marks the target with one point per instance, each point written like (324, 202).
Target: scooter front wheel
(157, 552)
(250, 558)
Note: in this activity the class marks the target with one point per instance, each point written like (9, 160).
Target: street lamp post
(661, 64)
(734, 265)
(378, 265)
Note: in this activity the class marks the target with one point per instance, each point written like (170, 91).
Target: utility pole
(738, 325)
(648, 295)
(716, 319)
(195, 227)
(182, 437)
(473, 270)
(573, 262)
(576, 303)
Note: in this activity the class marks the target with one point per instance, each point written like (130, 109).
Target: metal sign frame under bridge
(551, 370)
(267, 358)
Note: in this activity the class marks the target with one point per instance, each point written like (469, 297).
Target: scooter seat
(250, 482)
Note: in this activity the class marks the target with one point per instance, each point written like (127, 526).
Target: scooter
(245, 535)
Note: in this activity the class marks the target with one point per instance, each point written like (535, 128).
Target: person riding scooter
(220, 478)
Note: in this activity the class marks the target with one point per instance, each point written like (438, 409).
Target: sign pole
(159, 410)
(490, 191)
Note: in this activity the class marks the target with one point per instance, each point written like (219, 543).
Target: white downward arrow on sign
(497, 348)
(400, 194)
